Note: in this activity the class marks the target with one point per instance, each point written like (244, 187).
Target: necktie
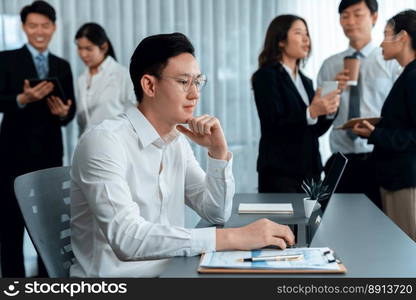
(354, 104)
(40, 60)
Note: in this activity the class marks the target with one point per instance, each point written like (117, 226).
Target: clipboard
(351, 123)
(341, 269)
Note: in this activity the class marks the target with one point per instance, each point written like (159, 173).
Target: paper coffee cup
(352, 64)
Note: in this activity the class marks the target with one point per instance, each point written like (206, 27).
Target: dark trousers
(11, 233)
(359, 177)
(271, 182)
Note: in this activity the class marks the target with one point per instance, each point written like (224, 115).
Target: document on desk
(265, 208)
(299, 260)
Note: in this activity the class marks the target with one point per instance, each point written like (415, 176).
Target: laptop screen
(334, 176)
(331, 180)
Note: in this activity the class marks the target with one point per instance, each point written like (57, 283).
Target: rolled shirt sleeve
(210, 194)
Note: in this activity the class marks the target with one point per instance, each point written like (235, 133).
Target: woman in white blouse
(105, 88)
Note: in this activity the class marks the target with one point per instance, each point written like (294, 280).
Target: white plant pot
(310, 206)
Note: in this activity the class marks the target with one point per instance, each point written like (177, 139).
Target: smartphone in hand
(328, 87)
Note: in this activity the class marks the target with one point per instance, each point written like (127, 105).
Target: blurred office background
(227, 35)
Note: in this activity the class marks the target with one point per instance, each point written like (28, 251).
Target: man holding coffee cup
(351, 69)
(365, 78)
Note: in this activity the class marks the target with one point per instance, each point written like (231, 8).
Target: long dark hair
(276, 33)
(405, 20)
(96, 35)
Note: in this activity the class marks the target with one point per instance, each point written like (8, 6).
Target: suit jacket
(288, 145)
(30, 137)
(394, 138)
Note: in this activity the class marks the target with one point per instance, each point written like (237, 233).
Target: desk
(362, 236)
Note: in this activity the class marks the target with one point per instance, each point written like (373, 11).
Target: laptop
(304, 233)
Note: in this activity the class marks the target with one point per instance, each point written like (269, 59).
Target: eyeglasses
(392, 38)
(199, 81)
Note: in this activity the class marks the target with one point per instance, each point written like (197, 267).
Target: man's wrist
(224, 239)
(220, 153)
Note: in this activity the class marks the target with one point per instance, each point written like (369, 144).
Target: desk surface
(368, 242)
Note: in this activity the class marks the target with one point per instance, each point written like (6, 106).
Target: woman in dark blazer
(394, 138)
(292, 118)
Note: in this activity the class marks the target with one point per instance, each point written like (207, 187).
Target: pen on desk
(273, 258)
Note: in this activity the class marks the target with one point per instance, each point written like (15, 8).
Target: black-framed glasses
(186, 81)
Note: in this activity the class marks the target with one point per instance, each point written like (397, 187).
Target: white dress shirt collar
(106, 63)
(145, 131)
(292, 74)
(297, 81)
(35, 52)
(365, 51)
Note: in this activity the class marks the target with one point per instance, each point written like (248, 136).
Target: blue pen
(273, 258)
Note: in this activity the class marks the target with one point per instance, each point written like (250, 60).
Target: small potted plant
(316, 191)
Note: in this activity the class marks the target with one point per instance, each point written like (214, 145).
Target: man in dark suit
(30, 134)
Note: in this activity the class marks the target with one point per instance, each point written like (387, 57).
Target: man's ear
(148, 85)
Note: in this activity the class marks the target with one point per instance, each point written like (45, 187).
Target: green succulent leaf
(316, 190)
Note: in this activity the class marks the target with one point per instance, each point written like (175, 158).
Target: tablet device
(57, 88)
(351, 123)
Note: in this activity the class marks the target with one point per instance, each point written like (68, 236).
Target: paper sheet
(314, 259)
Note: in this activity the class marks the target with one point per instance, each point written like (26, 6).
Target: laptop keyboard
(299, 231)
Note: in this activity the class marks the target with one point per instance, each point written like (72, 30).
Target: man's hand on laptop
(256, 235)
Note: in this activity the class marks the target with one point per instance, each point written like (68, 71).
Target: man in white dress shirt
(133, 175)
(357, 18)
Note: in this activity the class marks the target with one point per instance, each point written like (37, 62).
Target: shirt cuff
(19, 105)
(309, 119)
(374, 136)
(220, 168)
(203, 240)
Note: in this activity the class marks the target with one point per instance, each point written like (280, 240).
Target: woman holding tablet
(394, 137)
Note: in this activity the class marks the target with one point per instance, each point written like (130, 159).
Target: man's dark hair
(152, 54)
(38, 7)
(371, 4)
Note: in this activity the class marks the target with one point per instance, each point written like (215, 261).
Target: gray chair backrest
(44, 199)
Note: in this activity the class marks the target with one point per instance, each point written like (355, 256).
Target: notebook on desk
(265, 208)
(304, 233)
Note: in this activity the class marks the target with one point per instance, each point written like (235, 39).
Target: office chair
(43, 197)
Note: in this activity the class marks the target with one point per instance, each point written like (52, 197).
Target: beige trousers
(400, 206)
